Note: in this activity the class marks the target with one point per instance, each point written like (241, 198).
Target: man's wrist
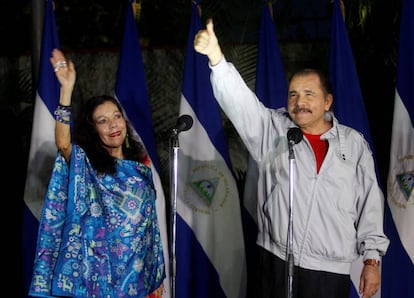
(215, 57)
(372, 262)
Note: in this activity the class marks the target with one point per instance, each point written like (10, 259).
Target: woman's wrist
(63, 114)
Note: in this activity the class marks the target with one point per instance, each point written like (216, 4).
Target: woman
(99, 234)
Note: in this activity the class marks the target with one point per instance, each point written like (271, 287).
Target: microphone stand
(289, 252)
(173, 194)
(184, 123)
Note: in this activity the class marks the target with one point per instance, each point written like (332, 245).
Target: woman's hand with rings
(59, 65)
(64, 70)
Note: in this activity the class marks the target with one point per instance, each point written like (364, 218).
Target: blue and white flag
(131, 91)
(348, 103)
(42, 144)
(270, 88)
(398, 263)
(210, 255)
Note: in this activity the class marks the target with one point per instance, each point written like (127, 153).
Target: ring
(59, 65)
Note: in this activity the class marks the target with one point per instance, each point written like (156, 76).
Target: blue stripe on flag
(210, 257)
(398, 263)
(48, 87)
(348, 103)
(130, 86)
(42, 145)
(271, 85)
(131, 91)
(405, 71)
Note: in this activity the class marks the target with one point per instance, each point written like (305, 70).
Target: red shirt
(320, 147)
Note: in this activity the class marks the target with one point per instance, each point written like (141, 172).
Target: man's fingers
(210, 26)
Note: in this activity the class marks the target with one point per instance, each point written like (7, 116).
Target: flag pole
(37, 25)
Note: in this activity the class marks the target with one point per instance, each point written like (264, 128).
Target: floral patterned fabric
(98, 234)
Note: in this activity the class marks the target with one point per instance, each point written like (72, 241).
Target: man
(338, 212)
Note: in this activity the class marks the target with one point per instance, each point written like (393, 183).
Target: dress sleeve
(51, 225)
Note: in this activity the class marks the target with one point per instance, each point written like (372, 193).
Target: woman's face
(111, 126)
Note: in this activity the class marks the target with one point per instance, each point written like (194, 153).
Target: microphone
(294, 135)
(184, 123)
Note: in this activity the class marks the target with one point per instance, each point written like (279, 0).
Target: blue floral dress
(98, 234)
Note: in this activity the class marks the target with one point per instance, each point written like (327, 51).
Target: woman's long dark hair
(86, 136)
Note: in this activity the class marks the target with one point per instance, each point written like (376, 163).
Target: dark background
(373, 28)
(85, 26)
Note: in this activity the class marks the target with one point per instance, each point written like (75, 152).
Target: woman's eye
(101, 121)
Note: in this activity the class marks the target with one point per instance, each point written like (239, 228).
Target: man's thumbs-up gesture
(205, 42)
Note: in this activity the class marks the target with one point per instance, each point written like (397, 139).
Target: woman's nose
(112, 123)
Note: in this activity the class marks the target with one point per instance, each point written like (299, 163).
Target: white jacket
(337, 213)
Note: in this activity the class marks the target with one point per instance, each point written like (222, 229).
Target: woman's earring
(127, 141)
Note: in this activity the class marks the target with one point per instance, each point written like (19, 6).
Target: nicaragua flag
(42, 144)
(398, 263)
(210, 256)
(348, 103)
(131, 91)
(270, 88)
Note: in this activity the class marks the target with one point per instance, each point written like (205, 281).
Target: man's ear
(329, 101)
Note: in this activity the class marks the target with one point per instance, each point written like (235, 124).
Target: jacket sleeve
(372, 242)
(240, 104)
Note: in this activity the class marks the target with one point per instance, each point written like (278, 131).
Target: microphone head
(294, 135)
(184, 123)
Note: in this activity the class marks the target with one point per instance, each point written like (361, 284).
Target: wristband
(63, 114)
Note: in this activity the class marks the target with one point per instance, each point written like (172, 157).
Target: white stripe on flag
(401, 176)
(41, 157)
(216, 220)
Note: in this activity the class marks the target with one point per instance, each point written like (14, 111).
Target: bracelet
(372, 262)
(63, 114)
(65, 106)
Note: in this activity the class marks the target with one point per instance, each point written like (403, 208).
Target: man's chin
(301, 119)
